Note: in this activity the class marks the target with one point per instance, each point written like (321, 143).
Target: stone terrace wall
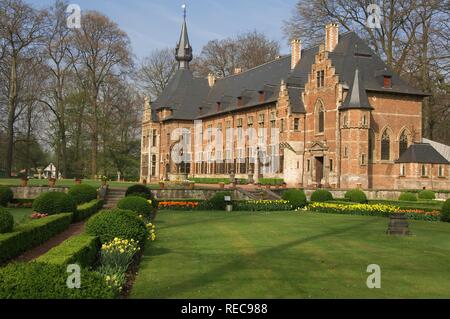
(33, 192)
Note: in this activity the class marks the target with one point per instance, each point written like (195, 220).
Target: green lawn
(20, 214)
(62, 183)
(291, 255)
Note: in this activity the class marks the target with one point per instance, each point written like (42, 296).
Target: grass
(63, 182)
(291, 255)
(20, 214)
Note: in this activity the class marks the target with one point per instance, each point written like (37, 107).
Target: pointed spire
(357, 97)
(183, 52)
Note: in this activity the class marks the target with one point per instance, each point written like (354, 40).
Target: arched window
(403, 143)
(385, 146)
(320, 117)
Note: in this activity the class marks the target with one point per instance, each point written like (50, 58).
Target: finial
(184, 11)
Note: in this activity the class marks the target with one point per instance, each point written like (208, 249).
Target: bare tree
(22, 29)
(246, 51)
(155, 71)
(104, 50)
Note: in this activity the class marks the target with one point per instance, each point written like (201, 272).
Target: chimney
(261, 96)
(296, 48)
(211, 79)
(147, 109)
(331, 36)
(240, 101)
(237, 70)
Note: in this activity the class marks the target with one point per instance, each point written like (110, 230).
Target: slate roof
(422, 153)
(186, 94)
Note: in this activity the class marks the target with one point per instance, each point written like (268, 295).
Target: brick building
(332, 115)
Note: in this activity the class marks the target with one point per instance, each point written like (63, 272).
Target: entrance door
(319, 170)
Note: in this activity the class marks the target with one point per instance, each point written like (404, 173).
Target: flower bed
(175, 205)
(373, 210)
(262, 205)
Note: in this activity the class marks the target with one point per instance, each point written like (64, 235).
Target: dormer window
(240, 101)
(262, 96)
(218, 106)
(387, 82)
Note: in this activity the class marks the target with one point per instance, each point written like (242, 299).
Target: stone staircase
(259, 194)
(113, 196)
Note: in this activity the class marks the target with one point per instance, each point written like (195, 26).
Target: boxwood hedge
(31, 234)
(6, 195)
(6, 221)
(46, 281)
(54, 203)
(82, 250)
(87, 210)
(136, 204)
(83, 193)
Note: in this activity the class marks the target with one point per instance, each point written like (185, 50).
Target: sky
(156, 24)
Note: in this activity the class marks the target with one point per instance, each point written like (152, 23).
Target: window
(346, 151)
(387, 82)
(424, 171)
(153, 165)
(402, 170)
(168, 139)
(363, 159)
(296, 125)
(331, 166)
(385, 146)
(320, 118)
(320, 78)
(403, 143)
(440, 171)
(250, 121)
(282, 125)
(239, 123)
(308, 165)
(272, 120)
(364, 120)
(345, 120)
(154, 138)
(261, 118)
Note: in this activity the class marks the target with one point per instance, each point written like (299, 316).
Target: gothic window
(320, 118)
(154, 138)
(385, 146)
(320, 78)
(403, 143)
(296, 124)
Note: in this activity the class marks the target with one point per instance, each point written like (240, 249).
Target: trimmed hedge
(83, 193)
(445, 213)
(321, 196)
(54, 203)
(271, 181)
(6, 195)
(139, 190)
(356, 196)
(46, 281)
(200, 180)
(217, 202)
(6, 221)
(136, 204)
(88, 209)
(408, 197)
(296, 198)
(427, 194)
(32, 234)
(81, 250)
(109, 224)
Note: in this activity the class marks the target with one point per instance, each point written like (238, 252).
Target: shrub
(81, 250)
(87, 210)
(427, 194)
(210, 180)
(140, 190)
(138, 205)
(356, 196)
(46, 281)
(83, 193)
(32, 234)
(408, 197)
(271, 181)
(445, 212)
(217, 202)
(321, 196)
(6, 195)
(6, 221)
(54, 203)
(262, 205)
(109, 224)
(295, 197)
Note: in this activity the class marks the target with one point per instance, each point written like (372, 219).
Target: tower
(183, 51)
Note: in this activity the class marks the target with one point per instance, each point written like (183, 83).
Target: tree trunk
(12, 100)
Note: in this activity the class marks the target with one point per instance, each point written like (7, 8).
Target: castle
(342, 119)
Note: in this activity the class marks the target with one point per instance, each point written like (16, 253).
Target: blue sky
(155, 24)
